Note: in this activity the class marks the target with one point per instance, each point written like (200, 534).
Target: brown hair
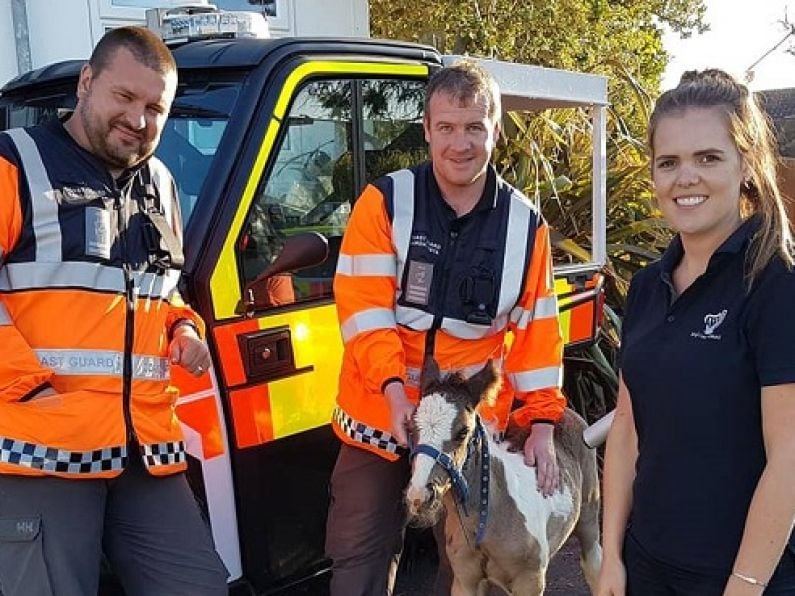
(145, 46)
(465, 82)
(751, 132)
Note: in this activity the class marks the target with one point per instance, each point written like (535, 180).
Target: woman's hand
(612, 578)
(189, 351)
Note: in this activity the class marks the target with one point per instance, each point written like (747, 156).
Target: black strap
(166, 249)
(457, 478)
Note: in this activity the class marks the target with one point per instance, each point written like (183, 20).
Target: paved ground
(418, 569)
(565, 576)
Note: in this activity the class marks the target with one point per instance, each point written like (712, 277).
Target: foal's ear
(430, 374)
(484, 385)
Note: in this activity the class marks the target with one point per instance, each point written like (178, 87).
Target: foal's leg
(465, 562)
(587, 532)
(479, 588)
(467, 571)
(529, 583)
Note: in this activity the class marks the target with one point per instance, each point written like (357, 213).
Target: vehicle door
(337, 124)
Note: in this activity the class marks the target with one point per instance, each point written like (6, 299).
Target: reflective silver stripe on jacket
(534, 380)
(156, 285)
(402, 217)
(77, 274)
(513, 267)
(163, 454)
(44, 207)
(367, 320)
(362, 433)
(464, 330)
(545, 308)
(5, 318)
(50, 459)
(366, 265)
(104, 363)
(413, 318)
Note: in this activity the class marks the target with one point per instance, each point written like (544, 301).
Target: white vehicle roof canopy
(534, 88)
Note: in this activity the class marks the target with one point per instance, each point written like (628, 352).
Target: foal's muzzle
(424, 505)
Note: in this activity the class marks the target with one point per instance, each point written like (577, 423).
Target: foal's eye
(461, 435)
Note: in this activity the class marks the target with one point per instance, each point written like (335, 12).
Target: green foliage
(618, 38)
(549, 157)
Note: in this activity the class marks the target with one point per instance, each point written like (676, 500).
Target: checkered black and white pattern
(49, 459)
(366, 434)
(163, 454)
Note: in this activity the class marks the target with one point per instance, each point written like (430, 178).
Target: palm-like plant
(548, 155)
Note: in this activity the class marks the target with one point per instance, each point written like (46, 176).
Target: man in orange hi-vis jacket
(440, 260)
(91, 454)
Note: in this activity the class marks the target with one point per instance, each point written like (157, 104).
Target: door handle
(268, 355)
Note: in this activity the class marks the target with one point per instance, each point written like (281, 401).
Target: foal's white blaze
(434, 422)
(522, 488)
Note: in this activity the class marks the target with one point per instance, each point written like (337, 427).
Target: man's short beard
(98, 140)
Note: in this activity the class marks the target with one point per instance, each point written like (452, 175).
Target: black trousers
(648, 576)
(366, 519)
(53, 532)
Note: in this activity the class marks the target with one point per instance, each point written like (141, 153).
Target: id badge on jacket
(98, 236)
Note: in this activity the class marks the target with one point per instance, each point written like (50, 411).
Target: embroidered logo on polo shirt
(711, 323)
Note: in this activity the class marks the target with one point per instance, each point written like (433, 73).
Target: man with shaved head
(92, 457)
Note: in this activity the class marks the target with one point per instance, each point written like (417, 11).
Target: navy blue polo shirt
(694, 366)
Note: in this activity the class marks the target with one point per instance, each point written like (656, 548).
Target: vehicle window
(308, 189)
(393, 134)
(29, 110)
(312, 184)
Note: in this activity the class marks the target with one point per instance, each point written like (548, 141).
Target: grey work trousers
(53, 532)
(366, 524)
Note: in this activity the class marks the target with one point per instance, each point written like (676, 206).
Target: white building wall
(8, 46)
(69, 29)
(59, 30)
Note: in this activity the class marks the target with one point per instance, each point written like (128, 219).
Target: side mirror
(273, 287)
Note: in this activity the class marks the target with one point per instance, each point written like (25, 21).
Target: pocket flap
(19, 529)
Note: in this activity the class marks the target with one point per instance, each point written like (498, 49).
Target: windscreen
(192, 135)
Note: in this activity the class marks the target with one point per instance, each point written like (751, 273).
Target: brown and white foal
(499, 528)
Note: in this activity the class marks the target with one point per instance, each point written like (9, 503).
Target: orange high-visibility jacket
(85, 310)
(412, 279)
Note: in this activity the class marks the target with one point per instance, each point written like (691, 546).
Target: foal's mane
(453, 383)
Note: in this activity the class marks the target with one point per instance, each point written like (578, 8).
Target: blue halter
(460, 485)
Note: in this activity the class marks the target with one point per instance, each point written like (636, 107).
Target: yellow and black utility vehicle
(270, 141)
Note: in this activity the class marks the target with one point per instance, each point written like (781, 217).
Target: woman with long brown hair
(699, 485)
